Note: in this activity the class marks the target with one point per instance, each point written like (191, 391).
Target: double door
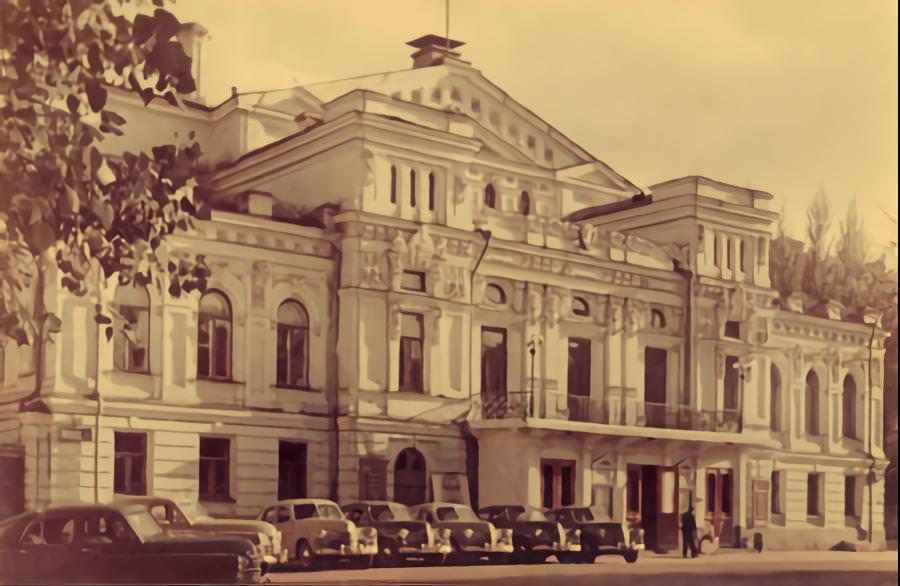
(653, 504)
(719, 503)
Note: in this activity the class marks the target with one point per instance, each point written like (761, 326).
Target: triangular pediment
(595, 173)
(292, 101)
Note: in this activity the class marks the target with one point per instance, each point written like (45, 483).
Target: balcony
(617, 409)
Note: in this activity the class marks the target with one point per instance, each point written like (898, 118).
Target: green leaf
(96, 94)
(52, 323)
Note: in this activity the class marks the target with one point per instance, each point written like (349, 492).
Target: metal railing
(558, 405)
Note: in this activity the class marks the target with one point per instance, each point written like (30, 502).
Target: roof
(609, 208)
(698, 179)
(434, 40)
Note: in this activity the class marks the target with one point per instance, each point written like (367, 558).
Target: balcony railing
(556, 405)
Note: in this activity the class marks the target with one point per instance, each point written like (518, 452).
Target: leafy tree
(819, 269)
(67, 211)
(786, 262)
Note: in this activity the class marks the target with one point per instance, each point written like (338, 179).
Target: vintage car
(317, 533)
(599, 535)
(170, 517)
(400, 537)
(117, 544)
(535, 537)
(471, 538)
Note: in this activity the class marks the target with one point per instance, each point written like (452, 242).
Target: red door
(667, 511)
(719, 501)
(557, 483)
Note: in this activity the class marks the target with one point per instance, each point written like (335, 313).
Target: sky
(786, 96)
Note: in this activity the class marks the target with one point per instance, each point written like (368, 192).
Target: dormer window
(657, 319)
(548, 155)
(531, 142)
(455, 95)
(436, 95)
(476, 105)
(580, 307)
(490, 196)
(524, 203)
(417, 96)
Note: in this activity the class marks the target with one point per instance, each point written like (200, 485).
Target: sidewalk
(726, 555)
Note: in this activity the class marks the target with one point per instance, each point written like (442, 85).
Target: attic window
(657, 319)
(531, 142)
(476, 105)
(417, 96)
(580, 307)
(513, 131)
(548, 154)
(436, 95)
(455, 95)
(495, 294)
(495, 118)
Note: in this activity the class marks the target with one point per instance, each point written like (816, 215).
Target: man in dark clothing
(688, 533)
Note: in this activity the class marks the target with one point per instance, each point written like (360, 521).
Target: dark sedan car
(116, 544)
(471, 538)
(535, 536)
(599, 536)
(400, 537)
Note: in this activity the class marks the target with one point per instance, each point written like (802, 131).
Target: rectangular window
(741, 254)
(812, 495)
(729, 253)
(634, 489)
(291, 356)
(411, 347)
(732, 383)
(291, 470)
(431, 191)
(711, 492)
(214, 468)
(733, 329)
(412, 281)
(214, 348)
(373, 478)
(579, 376)
(557, 483)
(850, 509)
(130, 463)
(760, 503)
(130, 346)
(393, 184)
(717, 260)
(476, 105)
(776, 493)
(493, 362)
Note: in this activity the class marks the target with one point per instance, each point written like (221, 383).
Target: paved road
(723, 569)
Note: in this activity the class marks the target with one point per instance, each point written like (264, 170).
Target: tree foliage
(66, 208)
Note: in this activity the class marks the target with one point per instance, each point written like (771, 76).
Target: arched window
(409, 477)
(393, 184)
(495, 294)
(524, 203)
(214, 336)
(657, 319)
(293, 345)
(412, 188)
(580, 307)
(849, 408)
(431, 188)
(490, 196)
(812, 403)
(775, 399)
(131, 347)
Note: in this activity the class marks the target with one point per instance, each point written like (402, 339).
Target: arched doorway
(409, 477)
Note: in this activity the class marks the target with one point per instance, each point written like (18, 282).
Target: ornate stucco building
(423, 290)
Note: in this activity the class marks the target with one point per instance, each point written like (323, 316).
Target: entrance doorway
(557, 483)
(652, 496)
(409, 477)
(719, 503)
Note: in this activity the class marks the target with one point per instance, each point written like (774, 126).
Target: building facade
(422, 290)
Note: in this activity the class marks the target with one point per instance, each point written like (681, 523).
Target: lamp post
(533, 343)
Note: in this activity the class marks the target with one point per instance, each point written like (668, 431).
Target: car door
(21, 565)
(280, 516)
(62, 557)
(119, 551)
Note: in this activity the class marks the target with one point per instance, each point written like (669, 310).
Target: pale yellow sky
(783, 95)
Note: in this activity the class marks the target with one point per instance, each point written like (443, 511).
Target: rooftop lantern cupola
(434, 50)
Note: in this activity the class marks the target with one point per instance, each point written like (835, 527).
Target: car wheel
(306, 558)
(631, 556)
(588, 555)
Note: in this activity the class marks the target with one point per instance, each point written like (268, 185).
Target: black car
(117, 544)
(400, 537)
(598, 536)
(535, 536)
(471, 538)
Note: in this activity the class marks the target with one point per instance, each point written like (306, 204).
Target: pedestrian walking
(688, 533)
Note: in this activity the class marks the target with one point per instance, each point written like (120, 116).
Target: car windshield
(582, 515)
(455, 514)
(528, 514)
(144, 525)
(330, 512)
(390, 513)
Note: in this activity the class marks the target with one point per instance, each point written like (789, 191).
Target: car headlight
(368, 535)
(323, 533)
(403, 534)
(562, 534)
(243, 563)
(506, 536)
(445, 535)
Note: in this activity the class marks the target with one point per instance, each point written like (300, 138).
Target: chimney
(191, 36)
(434, 50)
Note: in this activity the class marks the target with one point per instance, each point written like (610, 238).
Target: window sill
(226, 381)
(817, 520)
(123, 371)
(294, 388)
(852, 521)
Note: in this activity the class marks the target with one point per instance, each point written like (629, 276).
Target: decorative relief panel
(259, 284)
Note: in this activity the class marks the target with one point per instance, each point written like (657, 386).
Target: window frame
(432, 189)
(212, 346)
(129, 460)
(394, 183)
(291, 330)
(848, 416)
(489, 197)
(417, 385)
(120, 338)
(812, 404)
(214, 495)
(579, 311)
(524, 203)
(498, 288)
(420, 276)
(814, 505)
(776, 486)
(412, 188)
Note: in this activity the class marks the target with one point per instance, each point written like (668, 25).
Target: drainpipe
(687, 375)
(871, 476)
(97, 413)
(486, 235)
(333, 372)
